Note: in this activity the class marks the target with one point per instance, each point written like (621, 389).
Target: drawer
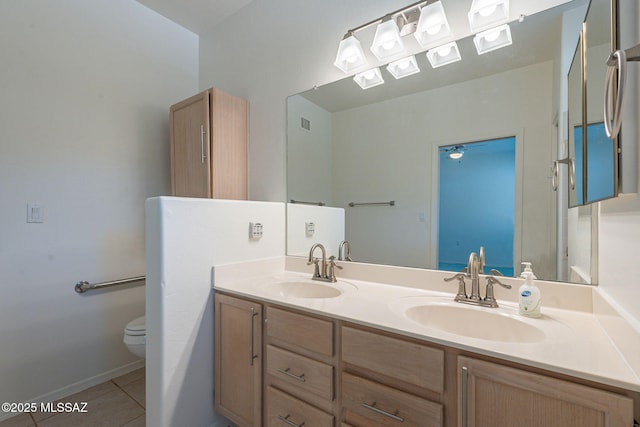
(301, 372)
(305, 332)
(403, 360)
(284, 410)
(366, 403)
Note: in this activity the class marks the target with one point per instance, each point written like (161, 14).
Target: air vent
(305, 124)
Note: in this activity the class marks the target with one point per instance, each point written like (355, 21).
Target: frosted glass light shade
(403, 67)
(387, 42)
(433, 27)
(444, 55)
(492, 39)
(488, 13)
(350, 55)
(369, 78)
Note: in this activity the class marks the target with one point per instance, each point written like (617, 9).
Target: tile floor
(116, 403)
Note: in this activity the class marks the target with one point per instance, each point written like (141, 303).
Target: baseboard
(81, 385)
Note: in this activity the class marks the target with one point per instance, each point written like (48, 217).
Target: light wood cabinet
(303, 369)
(389, 381)
(499, 396)
(300, 373)
(208, 134)
(238, 360)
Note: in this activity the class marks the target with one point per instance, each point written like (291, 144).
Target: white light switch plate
(35, 213)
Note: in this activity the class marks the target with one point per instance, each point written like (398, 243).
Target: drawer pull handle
(288, 372)
(288, 421)
(393, 416)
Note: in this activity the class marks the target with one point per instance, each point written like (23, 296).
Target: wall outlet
(310, 228)
(255, 230)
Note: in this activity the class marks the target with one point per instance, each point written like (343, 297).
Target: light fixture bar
(402, 10)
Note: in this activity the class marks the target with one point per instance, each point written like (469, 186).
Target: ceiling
(197, 16)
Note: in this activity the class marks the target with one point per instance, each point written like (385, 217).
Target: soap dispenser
(529, 294)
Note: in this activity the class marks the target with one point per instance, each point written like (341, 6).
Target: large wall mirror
(361, 150)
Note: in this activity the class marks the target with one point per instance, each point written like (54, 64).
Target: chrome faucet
(320, 271)
(345, 247)
(474, 267)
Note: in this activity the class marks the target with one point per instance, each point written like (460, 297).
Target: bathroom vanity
(290, 354)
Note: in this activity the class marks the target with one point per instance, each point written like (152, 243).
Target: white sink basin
(308, 289)
(491, 324)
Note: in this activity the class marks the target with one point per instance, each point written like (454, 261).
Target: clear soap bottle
(529, 297)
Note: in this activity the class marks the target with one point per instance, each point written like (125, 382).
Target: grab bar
(617, 61)
(391, 203)
(83, 286)
(308, 203)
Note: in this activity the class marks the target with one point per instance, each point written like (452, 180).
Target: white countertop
(573, 341)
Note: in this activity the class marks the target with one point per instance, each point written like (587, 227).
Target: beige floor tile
(137, 390)
(130, 377)
(138, 422)
(22, 420)
(115, 408)
(82, 396)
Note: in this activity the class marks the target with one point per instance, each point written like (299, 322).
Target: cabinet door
(190, 147)
(499, 396)
(238, 362)
(228, 146)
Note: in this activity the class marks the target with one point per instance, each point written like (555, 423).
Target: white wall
(309, 152)
(85, 89)
(185, 238)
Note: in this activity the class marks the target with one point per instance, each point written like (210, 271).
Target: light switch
(35, 213)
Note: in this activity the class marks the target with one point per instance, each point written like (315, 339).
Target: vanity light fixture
(403, 67)
(488, 13)
(433, 27)
(350, 55)
(492, 39)
(387, 42)
(368, 79)
(444, 55)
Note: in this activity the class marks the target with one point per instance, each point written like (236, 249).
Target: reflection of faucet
(345, 247)
(473, 271)
(320, 272)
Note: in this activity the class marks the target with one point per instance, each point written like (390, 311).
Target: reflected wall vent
(305, 124)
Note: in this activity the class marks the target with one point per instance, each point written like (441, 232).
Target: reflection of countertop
(588, 340)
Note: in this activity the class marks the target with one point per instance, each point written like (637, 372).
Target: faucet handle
(489, 298)
(315, 261)
(462, 285)
(332, 265)
(492, 280)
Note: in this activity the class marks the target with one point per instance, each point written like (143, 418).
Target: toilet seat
(137, 327)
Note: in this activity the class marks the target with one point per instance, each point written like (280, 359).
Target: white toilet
(135, 336)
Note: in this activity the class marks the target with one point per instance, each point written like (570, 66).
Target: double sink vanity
(387, 346)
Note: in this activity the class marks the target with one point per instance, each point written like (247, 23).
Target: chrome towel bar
(391, 203)
(84, 286)
(308, 203)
